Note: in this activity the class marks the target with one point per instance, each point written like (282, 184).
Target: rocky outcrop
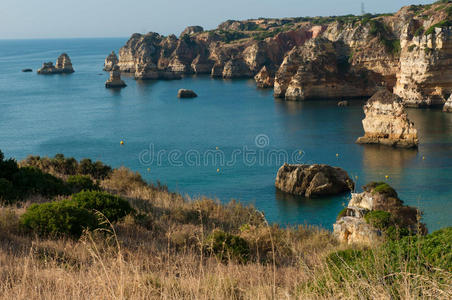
(27, 70)
(111, 61)
(264, 79)
(63, 65)
(115, 79)
(448, 105)
(313, 180)
(315, 71)
(375, 214)
(183, 93)
(192, 30)
(342, 103)
(386, 122)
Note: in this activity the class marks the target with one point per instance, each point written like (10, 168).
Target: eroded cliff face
(333, 57)
(448, 105)
(387, 123)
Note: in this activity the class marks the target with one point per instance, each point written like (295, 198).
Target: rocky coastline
(309, 58)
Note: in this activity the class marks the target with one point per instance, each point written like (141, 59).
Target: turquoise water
(222, 144)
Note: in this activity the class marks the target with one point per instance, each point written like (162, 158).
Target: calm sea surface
(228, 143)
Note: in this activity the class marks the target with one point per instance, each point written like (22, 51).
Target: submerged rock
(313, 180)
(448, 105)
(27, 70)
(183, 93)
(111, 61)
(63, 66)
(342, 103)
(374, 214)
(115, 79)
(387, 123)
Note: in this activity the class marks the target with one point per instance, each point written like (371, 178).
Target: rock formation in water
(264, 79)
(63, 66)
(386, 122)
(313, 180)
(111, 61)
(27, 70)
(343, 103)
(115, 79)
(408, 52)
(183, 93)
(448, 105)
(373, 215)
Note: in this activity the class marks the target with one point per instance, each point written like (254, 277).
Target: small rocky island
(63, 66)
(184, 93)
(313, 180)
(387, 123)
(374, 214)
(115, 80)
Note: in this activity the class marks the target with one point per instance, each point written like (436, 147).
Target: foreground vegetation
(71, 230)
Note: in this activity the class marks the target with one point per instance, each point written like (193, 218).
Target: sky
(22, 19)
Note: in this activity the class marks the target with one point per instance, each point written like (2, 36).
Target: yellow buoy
(387, 176)
(122, 142)
(217, 148)
(149, 169)
(423, 157)
(218, 170)
(300, 152)
(337, 154)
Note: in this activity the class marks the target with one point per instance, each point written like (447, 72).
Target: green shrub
(7, 193)
(445, 23)
(411, 48)
(419, 31)
(228, 247)
(79, 183)
(7, 167)
(112, 207)
(29, 181)
(381, 188)
(342, 213)
(378, 219)
(61, 218)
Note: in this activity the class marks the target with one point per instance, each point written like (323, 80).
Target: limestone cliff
(408, 52)
(115, 79)
(376, 214)
(448, 105)
(386, 122)
(111, 61)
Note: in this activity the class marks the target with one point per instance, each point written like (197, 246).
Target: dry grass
(159, 254)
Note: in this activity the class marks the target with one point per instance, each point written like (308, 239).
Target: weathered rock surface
(115, 79)
(111, 61)
(264, 79)
(192, 30)
(346, 57)
(386, 122)
(63, 65)
(183, 93)
(352, 227)
(448, 105)
(313, 180)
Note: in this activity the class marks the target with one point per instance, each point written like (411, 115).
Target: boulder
(191, 30)
(63, 66)
(183, 93)
(264, 79)
(375, 214)
(115, 79)
(448, 105)
(313, 180)
(27, 70)
(387, 123)
(111, 61)
(342, 103)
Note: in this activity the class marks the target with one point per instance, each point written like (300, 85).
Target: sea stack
(115, 79)
(387, 123)
(111, 61)
(313, 180)
(63, 66)
(448, 105)
(374, 214)
(264, 79)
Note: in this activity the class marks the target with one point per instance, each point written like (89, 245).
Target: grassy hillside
(140, 241)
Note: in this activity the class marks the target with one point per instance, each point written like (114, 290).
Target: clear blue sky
(112, 18)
